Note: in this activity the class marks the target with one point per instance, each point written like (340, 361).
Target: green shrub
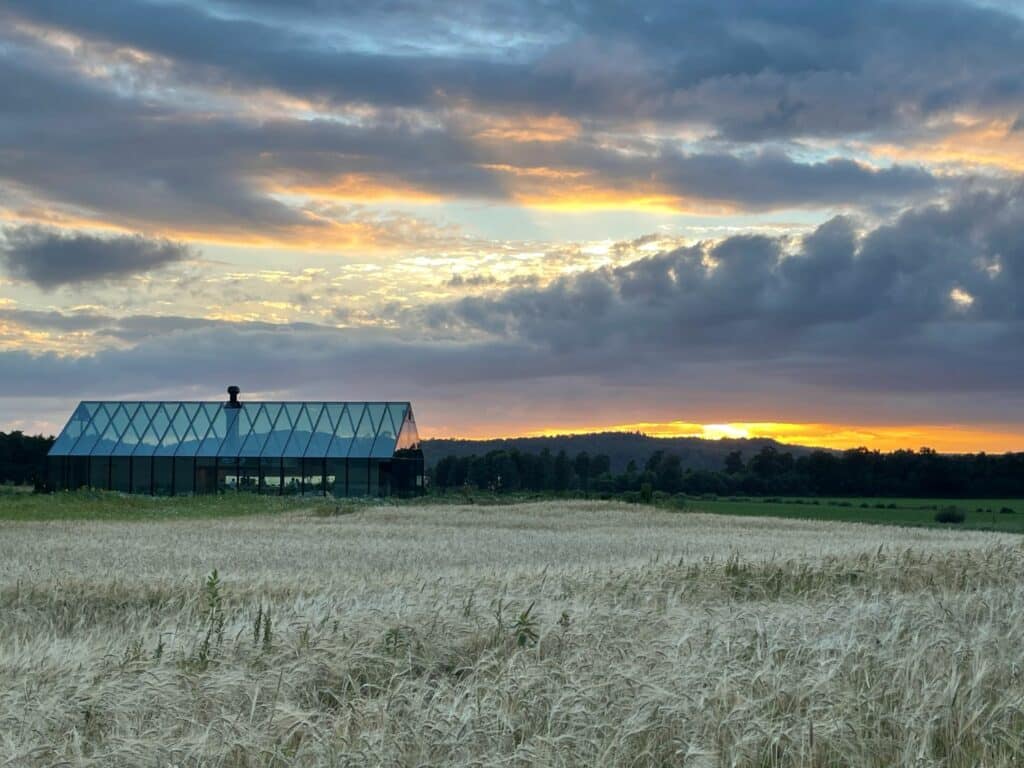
(950, 515)
(646, 493)
(1006, 511)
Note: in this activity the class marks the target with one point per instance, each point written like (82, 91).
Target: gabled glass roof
(253, 430)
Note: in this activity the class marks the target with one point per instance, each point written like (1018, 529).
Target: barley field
(552, 634)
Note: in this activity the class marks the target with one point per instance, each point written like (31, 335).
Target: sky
(799, 219)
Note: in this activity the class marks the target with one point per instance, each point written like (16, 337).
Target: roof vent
(233, 395)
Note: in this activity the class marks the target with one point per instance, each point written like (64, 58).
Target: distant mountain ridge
(619, 447)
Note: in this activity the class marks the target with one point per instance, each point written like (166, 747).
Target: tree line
(856, 472)
(23, 457)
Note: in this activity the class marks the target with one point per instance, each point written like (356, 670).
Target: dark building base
(176, 476)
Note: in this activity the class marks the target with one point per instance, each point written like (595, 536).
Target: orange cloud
(523, 128)
(355, 187)
(973, 142)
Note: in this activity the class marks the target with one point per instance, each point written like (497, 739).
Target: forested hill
(619, 447)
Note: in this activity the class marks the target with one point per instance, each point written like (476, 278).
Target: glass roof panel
(409, 436)
(160, 428)
(313, 430)
(171, 424)
(95, 428)
(366, 431)
(397, 413)
(387, 436)
(323, 432)
(133, 434)
(190, 425)
(238, 423)
(279, 433)
(302, 429)
(344, 431)
(216, 416)
(257, 436)
(79, 420)
(120, 418)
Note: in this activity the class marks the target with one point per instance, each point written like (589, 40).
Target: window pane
(206, 474)
(387, 436)
(149, 424)
(163, 468)
(165, 442)
(78, 472)
(257, 436)
(238, 422)
(345, 431)
(100, 421)
(270, 476)
(184, 475)
(358, 477)
(73, 429)
(99, 472)
(142, 474)
(120, 473)
(336, 477)
(408, 437)
(216, 416)
(279, 434)
(292, 483)
(227, 473)
(313, 477)
(323, 432)
(120, 418)
(249, 474)
(302, 429)
(366, 431)
(131, 434)
(195, 428)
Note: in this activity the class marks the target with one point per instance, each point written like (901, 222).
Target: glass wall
(142, 474)
(163, 475)
(99, 472)
(270, 476)
(292, 481)
(121, 473)
(336, 477)
(313, 477)
(184, 476)
(358, 477)
(206, 474)
(249, 475)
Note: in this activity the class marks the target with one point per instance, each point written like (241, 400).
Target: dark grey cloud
(878, 305)
(51, 258)
(56, 321)
(752, 70)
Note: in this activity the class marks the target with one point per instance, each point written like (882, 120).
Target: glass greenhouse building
(173, 448)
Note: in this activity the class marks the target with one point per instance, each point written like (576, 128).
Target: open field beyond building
(561, 633)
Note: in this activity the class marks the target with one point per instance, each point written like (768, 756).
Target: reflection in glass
(120, 473)
(292, 481)
(313, 477)
(249, 474)
(270, 476)
(99, 472)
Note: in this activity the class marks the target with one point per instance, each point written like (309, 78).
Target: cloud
(878, 305)
(52, 258)
(846, 321)
(750, 71)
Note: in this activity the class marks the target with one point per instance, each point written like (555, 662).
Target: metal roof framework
(311, 430)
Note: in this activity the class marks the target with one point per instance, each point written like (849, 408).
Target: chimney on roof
(233, 395)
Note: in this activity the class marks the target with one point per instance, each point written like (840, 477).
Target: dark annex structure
(174, 448)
